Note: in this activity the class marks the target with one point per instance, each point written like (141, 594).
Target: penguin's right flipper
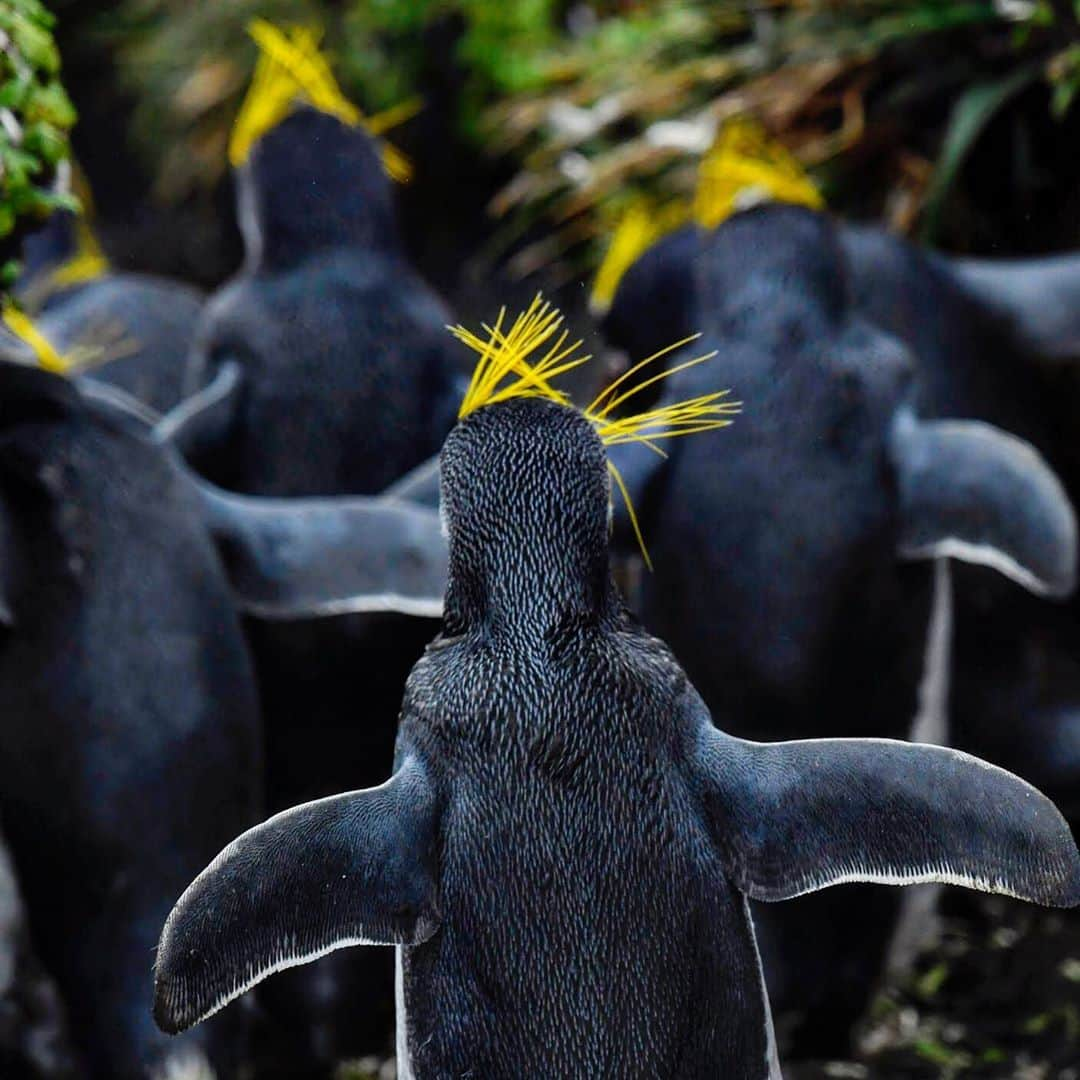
(795, 817)
(312, 557)
(201, 423)
(353, 869)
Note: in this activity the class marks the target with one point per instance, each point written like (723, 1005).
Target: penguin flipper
(971, 491)
(1039, 298)
(200, 424)
(795, 817)
(352, 869)
(419, 486)
(310, 557)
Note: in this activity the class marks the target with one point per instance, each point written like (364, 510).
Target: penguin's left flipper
(973, 492)
(353, 869)
(795, 817)
(310, 557)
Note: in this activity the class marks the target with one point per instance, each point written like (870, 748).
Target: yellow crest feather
(290, 68)
(504, 370)
(639, 228)
(22, 326)
(743, 166)
(88, 263)
(746, 166)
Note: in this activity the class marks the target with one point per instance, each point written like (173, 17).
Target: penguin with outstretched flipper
(816, 523)
(565, 849)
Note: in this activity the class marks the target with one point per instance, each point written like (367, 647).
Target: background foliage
(35, 115)
(580, 106)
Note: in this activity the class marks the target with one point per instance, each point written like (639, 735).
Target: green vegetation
(600, 101)
(35, 116)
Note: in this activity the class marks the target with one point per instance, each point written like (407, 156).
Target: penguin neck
(281, 234)
(535, 598)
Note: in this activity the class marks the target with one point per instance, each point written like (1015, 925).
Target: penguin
(835, 475)
(132, 331)
(124, 677)
(347, 378)
(997, 340)
(322, 369)
(563, 853)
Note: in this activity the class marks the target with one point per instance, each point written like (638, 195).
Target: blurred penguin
(346, 377)
(130, 741)
(128, 330)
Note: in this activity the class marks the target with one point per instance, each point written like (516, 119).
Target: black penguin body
(35, 1043)
(550, 839)
(801, 481)
(129, 745)
(558, 729)
(779, 582)
(348, 380)
(346, 375)
(563, 852)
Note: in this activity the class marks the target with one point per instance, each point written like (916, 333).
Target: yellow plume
(639, 228)
(506, 356)
(504, 370)
(290, 68)
(22, 326)
(745, 166)
(88, 262)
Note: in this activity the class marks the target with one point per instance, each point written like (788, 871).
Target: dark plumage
(654, 304)
(800, 612)
(34, 1041)
(563, 852)
(982, 332)
(129, 747)
(347, 376)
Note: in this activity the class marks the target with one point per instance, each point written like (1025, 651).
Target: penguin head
(526, 481)
(313, 183)
(776, 269)
(525, 496)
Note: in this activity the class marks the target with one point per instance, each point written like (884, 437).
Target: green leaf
(970, 115)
